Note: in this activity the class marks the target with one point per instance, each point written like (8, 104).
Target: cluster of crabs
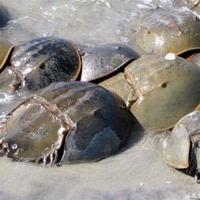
(65, 102)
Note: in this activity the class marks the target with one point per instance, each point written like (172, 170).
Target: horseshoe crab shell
(100, 61)
(41, 61)
(161, 32)
(5, 51)
(181, 149)
(121, 87)
(66, 122)
(167, 88)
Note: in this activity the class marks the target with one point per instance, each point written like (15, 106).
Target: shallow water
(136, 173)
(82, 20)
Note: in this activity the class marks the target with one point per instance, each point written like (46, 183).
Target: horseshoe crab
(102, 60)
(64, 123)
(181, 148)
(5, 51)
(39, 62)
(161, 32)
(159, 90)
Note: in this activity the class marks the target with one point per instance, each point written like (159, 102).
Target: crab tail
(56, 154)
(197, 177)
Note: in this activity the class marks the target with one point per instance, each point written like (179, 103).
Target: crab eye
(14, 146)
(164, 85)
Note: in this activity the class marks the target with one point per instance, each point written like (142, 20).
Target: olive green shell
(161, 32)
(66, 122)
(41, 61)
(181, 147)
(102, 60)
(119, 85)
(5, 50)
(167, 89)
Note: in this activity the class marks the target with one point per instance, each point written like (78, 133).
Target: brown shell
(161, 32)
(42, 61)
(5, 51)
(66, 122)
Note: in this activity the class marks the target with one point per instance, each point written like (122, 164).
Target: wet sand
(138, 172)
